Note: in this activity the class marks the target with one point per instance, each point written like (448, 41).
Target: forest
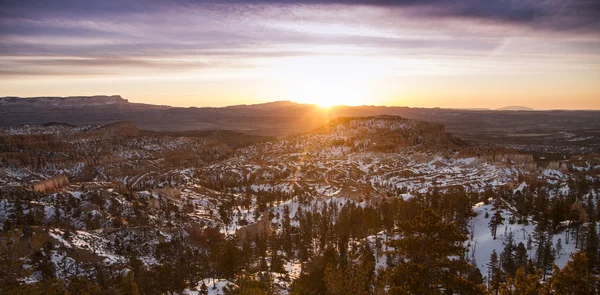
(416, 246)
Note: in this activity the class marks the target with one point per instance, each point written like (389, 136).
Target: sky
(543, 54)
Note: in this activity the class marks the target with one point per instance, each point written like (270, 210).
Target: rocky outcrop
(353, 193)
(51, 184)
(171, 193)
(385, 133)
(119, 129)
(553, 165)
(531, 167)
(262, 228)
(29, 149)
(558, 165)
(510, 157)
(154, 204)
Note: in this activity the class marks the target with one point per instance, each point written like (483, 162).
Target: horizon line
(504, 108)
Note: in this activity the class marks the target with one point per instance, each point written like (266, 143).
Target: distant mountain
(70, 101)
(515, 108)
(287, 118)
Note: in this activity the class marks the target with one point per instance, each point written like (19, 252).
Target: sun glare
(327, 81)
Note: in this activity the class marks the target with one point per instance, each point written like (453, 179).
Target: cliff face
(64, 102)
(262, 228)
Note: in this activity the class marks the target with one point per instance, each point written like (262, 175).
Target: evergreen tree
(507, 256)
(574, 278)
(521, 257)
(249, 286)
(558, 248)
(496, 221)
(203, 289)
(228, 263)
(348, 278)
(127, 285)
(592, 249)
(13, 255)
(494, 273)
(426, 255)
(352, 276)
(84, 286)
(311, 280)
(524, 284)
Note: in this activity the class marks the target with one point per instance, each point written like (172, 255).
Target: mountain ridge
(69, 101)
(538, 130)
(515, 108)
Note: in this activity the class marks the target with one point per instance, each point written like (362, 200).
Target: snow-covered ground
(484, 244)
(214, 287)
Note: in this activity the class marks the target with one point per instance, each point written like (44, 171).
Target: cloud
(549, 14)
(96, 37)
(543, 14)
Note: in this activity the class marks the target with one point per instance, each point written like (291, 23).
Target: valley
(222, 209)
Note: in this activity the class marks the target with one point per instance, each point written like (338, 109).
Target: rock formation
(154, 203)
(510, 157)
(171, 193)
(119, 129)
(262, 228)
(51, 184)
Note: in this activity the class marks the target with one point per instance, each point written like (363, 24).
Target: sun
(327, 104)
(328, 91)
(326, 81)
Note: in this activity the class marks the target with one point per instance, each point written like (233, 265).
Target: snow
(521, 187)
(65, 266)
(215, 287)
(484, 244)
(380, 255)
(57, 235)
(97, 245)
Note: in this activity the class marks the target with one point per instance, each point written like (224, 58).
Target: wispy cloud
(169, 37)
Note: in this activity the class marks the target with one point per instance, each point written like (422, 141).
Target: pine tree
(507, 256)
(228, 263)
(558, 248)
(311, 280)
(127, 285)
(496, 221)
(250, 286)
(203, 289)
(592, 248)
(287, 232)
(12, 254)
(426, 256)
(524, 284)
(521, 257)
(84, 286)
(367, 261)
(494, 273)
(577, 216)
(544, 252)
(53, 287)
(547, 256)
(348, 278)
(354, 274)
(574, 278)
